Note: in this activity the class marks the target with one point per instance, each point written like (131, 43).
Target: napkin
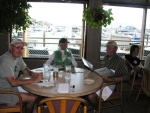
(63, 88)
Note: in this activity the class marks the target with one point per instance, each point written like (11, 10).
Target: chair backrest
(62, 105)
(116, 95)
(129, 66)
(134, 82)
(146, 82)
(11, 109)
(145, 85)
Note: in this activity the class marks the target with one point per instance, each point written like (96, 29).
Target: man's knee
(27, 97)
(92, 96)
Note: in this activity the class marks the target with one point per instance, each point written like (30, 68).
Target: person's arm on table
(18, 82)
(74, 63)
(27, 71)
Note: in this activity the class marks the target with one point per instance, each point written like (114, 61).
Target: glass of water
(67, 77)
(68, 68)
(46, 74)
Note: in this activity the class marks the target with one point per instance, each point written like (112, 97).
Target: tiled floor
(129, 105)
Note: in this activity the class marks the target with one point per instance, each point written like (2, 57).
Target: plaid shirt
(118, 64)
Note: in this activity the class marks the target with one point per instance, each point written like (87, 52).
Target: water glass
(46, 72)
(47, 76)
(68, 68)
(67, 77)
(47, 67)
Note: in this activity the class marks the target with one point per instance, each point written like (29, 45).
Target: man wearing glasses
(11, 63)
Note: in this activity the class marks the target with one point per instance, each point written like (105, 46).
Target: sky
(126, 16)
(57, 13)
(71, 14)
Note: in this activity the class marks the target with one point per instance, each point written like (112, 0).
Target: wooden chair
(11, 109)
(134, 82)
(145, 85)
(116, 95)
(62, 105)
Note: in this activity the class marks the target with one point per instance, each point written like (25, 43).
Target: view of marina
(49, 27)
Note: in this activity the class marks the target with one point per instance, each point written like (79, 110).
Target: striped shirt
(118, 64)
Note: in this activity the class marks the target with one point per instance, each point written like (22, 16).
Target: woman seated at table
(132, 58)
(62, 56)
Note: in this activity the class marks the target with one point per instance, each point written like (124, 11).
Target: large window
(147, 35)
(53, 21)
(125, 29)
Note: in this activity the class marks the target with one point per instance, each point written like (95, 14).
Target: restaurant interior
(91, 50)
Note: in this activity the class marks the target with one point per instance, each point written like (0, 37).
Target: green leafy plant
(97, 18)
(14, 15)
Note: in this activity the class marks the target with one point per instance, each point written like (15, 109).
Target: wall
(4, 43)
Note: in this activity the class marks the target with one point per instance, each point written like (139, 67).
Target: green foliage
(97, 18)
(14, 15)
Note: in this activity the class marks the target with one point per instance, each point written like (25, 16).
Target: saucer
(88, 81)
(47, 84)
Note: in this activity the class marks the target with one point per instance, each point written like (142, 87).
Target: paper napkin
(63, 88)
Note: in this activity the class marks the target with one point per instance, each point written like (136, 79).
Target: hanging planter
(97, 18)
(14, 15)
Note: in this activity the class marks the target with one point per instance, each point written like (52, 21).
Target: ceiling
(136, 3)
(140, 3)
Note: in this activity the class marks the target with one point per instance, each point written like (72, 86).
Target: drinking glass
(67, 77)
(47, 76)
(55, 71)
(47, 67)
(46, 73)
(68, 68)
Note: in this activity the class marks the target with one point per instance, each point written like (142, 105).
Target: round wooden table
(78, 79)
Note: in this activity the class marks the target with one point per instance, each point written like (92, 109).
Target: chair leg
(138, 95)
(148, 110)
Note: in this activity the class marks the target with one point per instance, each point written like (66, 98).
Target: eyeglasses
(18, 47)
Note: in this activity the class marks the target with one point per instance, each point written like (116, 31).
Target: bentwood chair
(11, 109)
(115, 98)
(145, 85)
(62, 105)
(135, 82)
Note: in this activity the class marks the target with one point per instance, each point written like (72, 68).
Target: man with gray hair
(117, 64)
(11, 63)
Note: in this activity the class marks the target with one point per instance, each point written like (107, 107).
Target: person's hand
(37, 77)
(107, 79)
(36, 74)
(138, 68)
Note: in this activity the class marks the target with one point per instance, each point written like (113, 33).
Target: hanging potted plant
(97, 18)
(14, 15)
